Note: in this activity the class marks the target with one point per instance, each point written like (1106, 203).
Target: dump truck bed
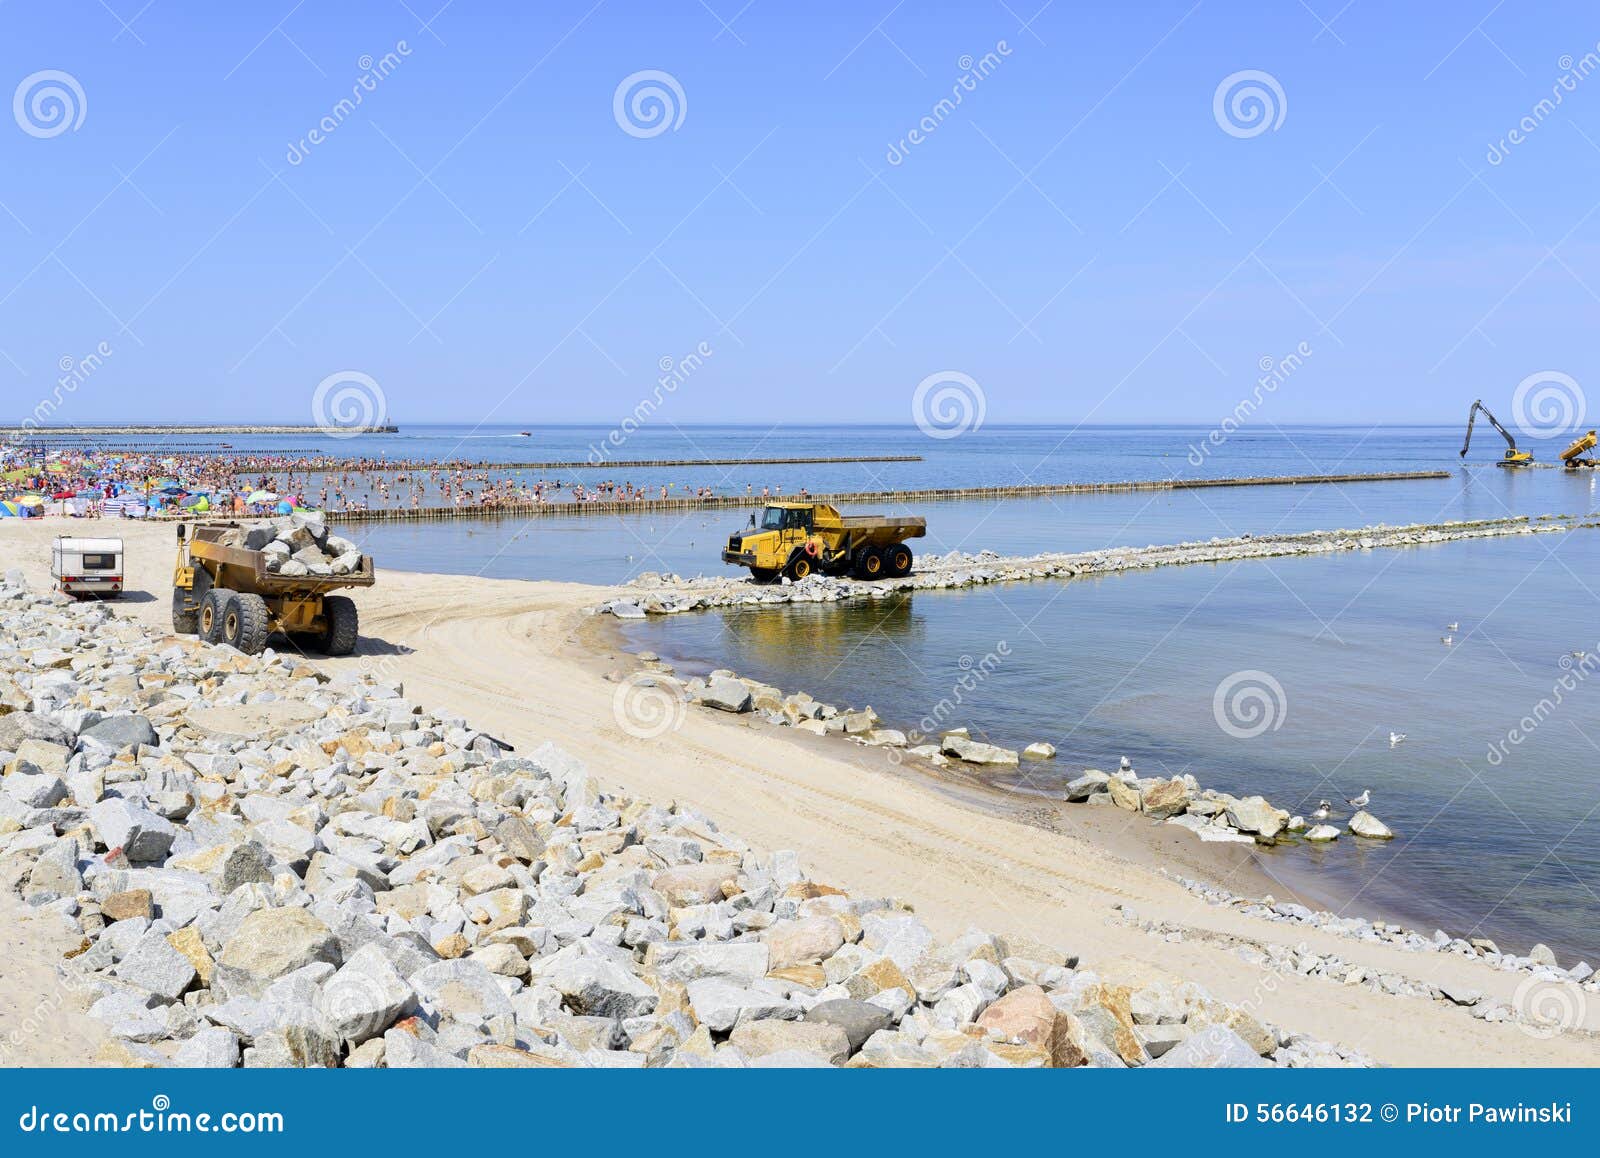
(247, 569)
(911, 526)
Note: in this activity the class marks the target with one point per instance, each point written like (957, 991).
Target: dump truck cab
(797, 539)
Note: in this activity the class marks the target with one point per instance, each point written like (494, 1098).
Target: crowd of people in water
(87, 479)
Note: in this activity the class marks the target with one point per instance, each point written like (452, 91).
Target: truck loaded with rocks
(238, 584)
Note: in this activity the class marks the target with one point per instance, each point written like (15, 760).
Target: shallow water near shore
(1505, 845)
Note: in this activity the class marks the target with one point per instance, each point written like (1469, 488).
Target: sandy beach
(524, 662)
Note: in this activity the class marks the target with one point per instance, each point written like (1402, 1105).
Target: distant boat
(525, 434)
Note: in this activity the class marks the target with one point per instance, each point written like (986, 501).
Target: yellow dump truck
(230, 594)
(797, 539)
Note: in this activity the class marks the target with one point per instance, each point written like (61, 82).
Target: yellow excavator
(1512, 456)
(1573, 457)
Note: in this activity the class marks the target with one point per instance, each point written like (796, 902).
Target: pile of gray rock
(267, 866)
(297, 544)
(1539, 962)
(658, 594)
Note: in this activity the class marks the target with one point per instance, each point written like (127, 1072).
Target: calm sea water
(1505, 845)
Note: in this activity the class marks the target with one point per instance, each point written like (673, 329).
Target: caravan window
(99, 562)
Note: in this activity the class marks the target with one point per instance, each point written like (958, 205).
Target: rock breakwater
(656, 594)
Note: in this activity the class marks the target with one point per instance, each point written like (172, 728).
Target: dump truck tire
(343, 625)
(213, 609)
(246, 623)
(800, 566)
(899, 560)
(764, 574)
(870, 563)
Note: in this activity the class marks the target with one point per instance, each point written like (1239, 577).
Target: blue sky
(1080, 235)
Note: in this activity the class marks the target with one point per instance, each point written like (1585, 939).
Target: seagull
(1323, 810)
(1360, 801)
(1447, 640)
(1126, 765)
(1396, 739)
(1452, 626)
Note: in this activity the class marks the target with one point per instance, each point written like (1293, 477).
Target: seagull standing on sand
(1360, 801)
(1396, 739)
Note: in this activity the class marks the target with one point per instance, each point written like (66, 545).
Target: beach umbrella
(31, 501)
(192, 501)
(284, 509)
(261, 497)
(65, 495)
(9, 510)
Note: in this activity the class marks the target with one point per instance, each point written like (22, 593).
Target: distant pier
(949, 494)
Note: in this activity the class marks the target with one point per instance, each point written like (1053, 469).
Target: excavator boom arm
(1472, 416)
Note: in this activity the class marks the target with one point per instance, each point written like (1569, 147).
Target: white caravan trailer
(87, 566)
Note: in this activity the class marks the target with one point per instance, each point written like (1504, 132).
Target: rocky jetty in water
(656, 594)
(270, 865)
